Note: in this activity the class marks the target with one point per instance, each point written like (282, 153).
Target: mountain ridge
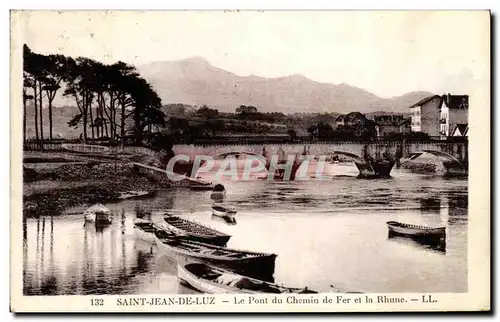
(195, 81)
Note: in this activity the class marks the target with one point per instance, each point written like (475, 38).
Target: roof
(425, 100)
(456, 101)
(350, 117)
(462, 128)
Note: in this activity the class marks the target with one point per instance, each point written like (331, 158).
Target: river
(325, 232)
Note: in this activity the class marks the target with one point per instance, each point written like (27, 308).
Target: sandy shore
(49, 191)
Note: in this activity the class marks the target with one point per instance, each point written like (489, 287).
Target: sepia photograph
(249, 152)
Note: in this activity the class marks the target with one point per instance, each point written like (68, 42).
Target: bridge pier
(376, 169)
(454, 169)
(279, 173)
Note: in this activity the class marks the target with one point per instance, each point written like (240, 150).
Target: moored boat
(218, 192)
(416, 231)
(195, 231)
(98, 214)
(222, 211)
(248, 263)
(146, 230)
(215, 280)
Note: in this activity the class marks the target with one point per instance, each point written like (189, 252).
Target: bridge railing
(56, 145)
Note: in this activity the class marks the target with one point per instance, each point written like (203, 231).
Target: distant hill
(194, 81)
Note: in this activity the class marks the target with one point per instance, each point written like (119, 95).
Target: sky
(388, 53)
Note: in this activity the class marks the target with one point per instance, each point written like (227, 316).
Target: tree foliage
(106, 96)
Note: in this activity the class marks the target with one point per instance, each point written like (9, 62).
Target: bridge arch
(451, 164)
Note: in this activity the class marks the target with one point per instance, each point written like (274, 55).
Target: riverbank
(50, 191)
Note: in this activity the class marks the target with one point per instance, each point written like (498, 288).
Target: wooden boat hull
(218, 195)
(222, 213)
(89, 217)
(103, 219)
(217, 238)
(186, 275)
(147, 231)
(144, 235)
(413, 231)
(260, 267)
(203, 285)
(98, 219)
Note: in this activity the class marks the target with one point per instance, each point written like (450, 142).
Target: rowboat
(411, 230)
(219, 192)
(141, 212)
(214, 280)
(252, 264)
(98, 214)
(146, 230)
(222, 211)
(195, 231)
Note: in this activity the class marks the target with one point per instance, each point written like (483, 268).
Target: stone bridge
(372, 159)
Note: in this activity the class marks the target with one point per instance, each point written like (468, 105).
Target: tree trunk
(85, 128)
(41, 111)
(84, 108)
(91, 121)
(98, 127)
(137, 128)
(100, 113)
(24, 114)
(122, 121)
(112, 119)
(113, 111)
(50, 118)
(35, 100)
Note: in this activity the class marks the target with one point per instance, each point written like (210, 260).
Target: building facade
(390, 124)
(438, 115)
(454, 110)
(426, 115)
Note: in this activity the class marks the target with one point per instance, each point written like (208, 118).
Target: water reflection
(230, 220)
(424, 243)
(328, 232)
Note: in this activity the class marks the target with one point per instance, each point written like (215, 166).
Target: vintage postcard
(250, 161)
